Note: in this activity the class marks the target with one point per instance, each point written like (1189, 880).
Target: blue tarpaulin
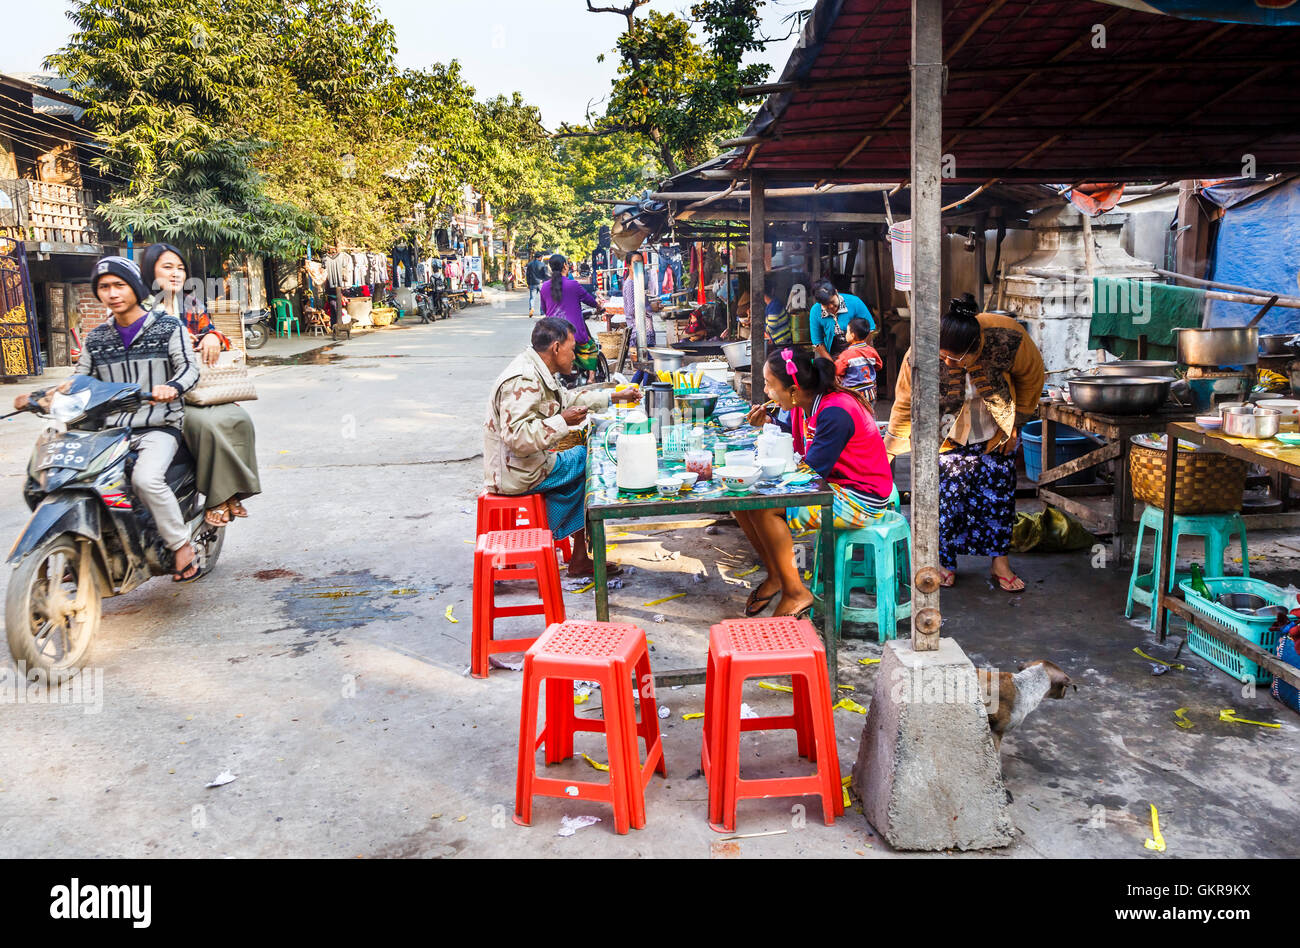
(1263, 12)
(1259, 246)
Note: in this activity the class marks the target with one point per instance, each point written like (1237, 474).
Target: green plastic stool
(284, 318)
(882, 571)
(1217, 529)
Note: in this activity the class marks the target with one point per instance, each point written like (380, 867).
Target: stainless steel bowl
(738, 354)
(667, 360)
(1135, 368)
(1251, 422)
(1119, 395)
(1243, 602)
(1226, 345)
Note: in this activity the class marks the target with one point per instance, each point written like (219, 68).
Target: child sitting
(857, 365)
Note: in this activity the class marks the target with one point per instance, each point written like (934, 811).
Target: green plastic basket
(1251, 629)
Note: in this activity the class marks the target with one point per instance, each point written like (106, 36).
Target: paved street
(318, 666)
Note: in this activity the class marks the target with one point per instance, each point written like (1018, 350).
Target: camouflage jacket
(523, 420)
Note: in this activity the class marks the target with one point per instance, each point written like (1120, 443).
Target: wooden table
(1270, 454)
(1116, 429)
(605, 502)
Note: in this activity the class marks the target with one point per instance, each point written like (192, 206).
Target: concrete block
(927, 772)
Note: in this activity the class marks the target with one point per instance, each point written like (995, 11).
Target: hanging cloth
(638, 300)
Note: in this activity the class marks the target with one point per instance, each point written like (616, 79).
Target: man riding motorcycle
(150, 349)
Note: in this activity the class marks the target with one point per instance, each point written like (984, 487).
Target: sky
(545, 49)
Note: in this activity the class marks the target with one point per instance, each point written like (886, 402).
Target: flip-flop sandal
(754, 606)
(223, 517)
(949, 579)
(236, 509)
(611, 570)
(1003, 582)
(185, 575)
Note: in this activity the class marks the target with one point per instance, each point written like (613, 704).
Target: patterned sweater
(161, 354)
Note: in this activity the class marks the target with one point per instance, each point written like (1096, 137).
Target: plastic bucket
(1070, 444)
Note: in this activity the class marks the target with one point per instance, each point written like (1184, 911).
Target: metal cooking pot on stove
(1221, 346)
(1277, 343)
(1120, 395)
(1135, 368)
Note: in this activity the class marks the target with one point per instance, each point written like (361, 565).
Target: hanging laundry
(900, 245)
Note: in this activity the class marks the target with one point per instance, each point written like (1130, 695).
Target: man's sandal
(216, 517)
(189, 572)
(236, 509)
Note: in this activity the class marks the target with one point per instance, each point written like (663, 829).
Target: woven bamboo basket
(1205, 483)
(611, 343)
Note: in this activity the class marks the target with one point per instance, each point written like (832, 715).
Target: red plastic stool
(511, 554)
(754, 648)
(516, 512)
(615, 656)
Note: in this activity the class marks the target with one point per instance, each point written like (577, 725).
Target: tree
(678, 93)
(163, 87)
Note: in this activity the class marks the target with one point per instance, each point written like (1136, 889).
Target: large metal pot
(1142, 368)
(738, 354)
(1226, 345)
(1119, 395)
(667, 360)
(1275, 344)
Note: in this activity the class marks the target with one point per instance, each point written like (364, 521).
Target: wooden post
(981, 223)
(757, 283)
(927, 257)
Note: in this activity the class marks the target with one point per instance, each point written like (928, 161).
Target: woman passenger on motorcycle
(220, 437)
(563, 297)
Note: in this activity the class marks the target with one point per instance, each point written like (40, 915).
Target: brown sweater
(1008, 372)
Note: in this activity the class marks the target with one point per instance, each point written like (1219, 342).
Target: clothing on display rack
(338, 269)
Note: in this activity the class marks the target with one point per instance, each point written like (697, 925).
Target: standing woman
(562, 297)
(989, 386)
(839, 439)
(633, 294)
(220, 437)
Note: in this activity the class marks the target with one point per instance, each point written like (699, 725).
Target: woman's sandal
(1009, 584)
(754, 606)
(236, 509)
(216, 517)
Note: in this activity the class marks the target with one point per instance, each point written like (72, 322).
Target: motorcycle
(88, 538)
(257, 327)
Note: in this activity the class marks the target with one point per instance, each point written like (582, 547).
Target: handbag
(225, 382)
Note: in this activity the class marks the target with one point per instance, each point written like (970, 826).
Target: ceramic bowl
(731, 419)
(668, 486)
(686, 480)
(1209, 421)
(771, 467)
(737, 478)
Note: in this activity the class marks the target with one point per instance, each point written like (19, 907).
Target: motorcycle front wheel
(52, 609)
(255, 335)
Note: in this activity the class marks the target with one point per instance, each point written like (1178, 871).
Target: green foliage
(163, 85)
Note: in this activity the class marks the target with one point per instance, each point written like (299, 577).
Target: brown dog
(1017, 695)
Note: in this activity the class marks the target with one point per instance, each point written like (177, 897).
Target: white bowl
(686, 480)
(737, 478)
(668, 485)
(771, 467)
(731, 419)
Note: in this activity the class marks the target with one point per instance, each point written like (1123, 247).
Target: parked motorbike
(431, 300)
(87, 538)
(257, 328)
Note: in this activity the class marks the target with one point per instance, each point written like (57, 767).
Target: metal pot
(1140, 368)
(667, 360)
(1228, 345)
(739, 355)
(1275, 344)
(1119, 395)
(1251, 422)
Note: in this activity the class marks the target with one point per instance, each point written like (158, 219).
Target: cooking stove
(1211, 386)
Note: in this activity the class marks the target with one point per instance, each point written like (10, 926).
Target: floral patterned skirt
(977, 503)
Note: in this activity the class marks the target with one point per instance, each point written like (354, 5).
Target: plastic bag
(1051, 531)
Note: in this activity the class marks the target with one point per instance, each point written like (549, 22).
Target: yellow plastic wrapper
(656, 602)
(785, 688)
(848, 704)
(1156, 842)
(595, 763)
(1229, 715)
(692, 716)
(1180, 718)
(449, 616)
(868, 661)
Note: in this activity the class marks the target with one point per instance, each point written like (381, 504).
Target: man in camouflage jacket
(528, 413)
